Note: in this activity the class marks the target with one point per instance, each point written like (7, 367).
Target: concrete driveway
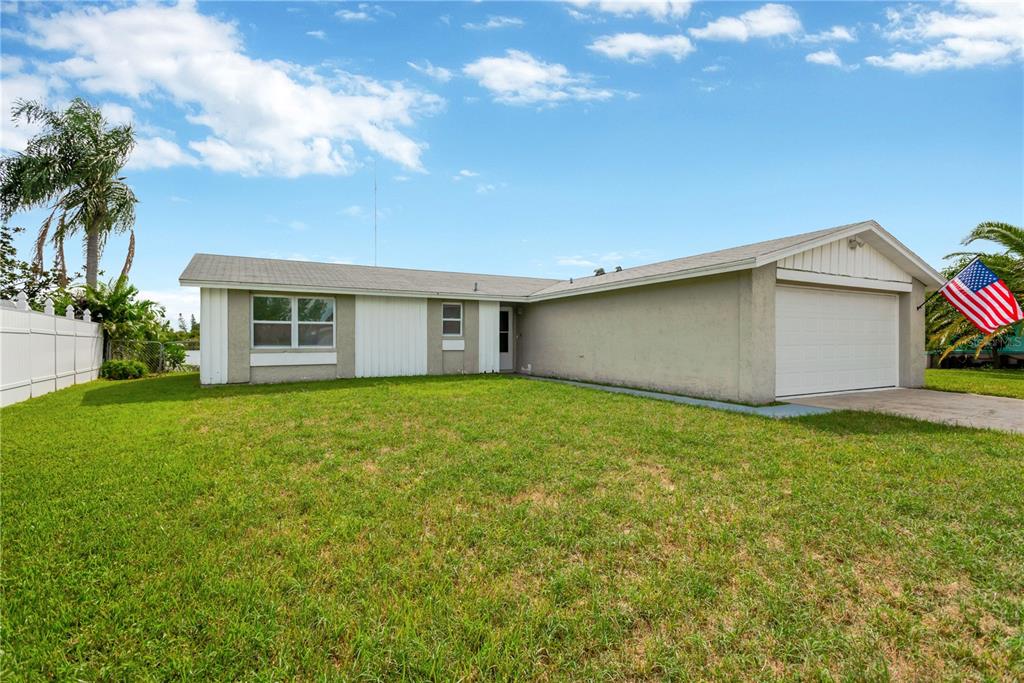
(965, 410)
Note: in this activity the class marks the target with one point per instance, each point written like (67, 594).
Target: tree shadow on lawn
(186, 387)
(864, 423)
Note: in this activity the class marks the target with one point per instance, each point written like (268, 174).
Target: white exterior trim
(453, 344)
(448, 320)
(258, 360)
(294, 322)
(213, 336)
(790, 275)
(315, 289)
(488, 346)
(391, 336)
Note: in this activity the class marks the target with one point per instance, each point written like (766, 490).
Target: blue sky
(533, 138)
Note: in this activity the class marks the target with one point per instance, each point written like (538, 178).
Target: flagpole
(939, 290)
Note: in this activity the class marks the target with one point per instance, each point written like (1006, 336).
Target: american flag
(982, 297)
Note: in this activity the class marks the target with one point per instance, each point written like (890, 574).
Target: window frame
(448, 320)
(293, 323)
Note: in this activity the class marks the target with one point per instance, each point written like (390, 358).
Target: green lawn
(498, 528)
(993, 382)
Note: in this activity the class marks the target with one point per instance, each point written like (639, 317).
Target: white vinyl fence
(43, 352)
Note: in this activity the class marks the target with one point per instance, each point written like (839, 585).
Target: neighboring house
(832, 310)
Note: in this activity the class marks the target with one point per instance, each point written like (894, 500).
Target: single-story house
(825, 311)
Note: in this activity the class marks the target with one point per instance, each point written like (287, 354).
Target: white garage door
(833, 340)
(391, 336)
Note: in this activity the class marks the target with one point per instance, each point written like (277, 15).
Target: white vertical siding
(489, 336)
(391, 336)
(836, 258)
(213, 336)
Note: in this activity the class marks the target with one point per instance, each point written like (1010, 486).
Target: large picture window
(292, 322)
(451, 320)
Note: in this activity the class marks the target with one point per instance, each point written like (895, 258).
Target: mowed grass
(992, 382)
(496, 528)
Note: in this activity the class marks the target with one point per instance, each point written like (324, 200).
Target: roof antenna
(375, 212)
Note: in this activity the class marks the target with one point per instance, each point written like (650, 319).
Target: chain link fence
(158, 357)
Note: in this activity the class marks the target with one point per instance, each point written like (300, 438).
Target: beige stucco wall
(912, 337)
(345, 334)
(239, 310)
(441, 362)
(693, 337)
(239, 343)
(271, 374)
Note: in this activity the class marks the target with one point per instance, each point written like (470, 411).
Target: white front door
(834, 340)
(506, 340)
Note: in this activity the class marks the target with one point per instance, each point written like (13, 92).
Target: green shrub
(122, 369)
(174, 356)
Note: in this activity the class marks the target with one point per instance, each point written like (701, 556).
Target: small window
(271, 321)
(451, 320)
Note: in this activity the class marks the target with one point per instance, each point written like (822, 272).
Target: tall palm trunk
(92, 257)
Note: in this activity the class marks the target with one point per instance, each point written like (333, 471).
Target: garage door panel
(834, 340)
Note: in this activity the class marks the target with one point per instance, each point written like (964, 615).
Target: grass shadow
(864, 423)
(186, 387)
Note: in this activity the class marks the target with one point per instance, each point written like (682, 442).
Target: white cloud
(438, 73)
(363, 12)
(181, 301)
(158, 152)
(836, 34)
(264, 117)
(520, 78)
(401, 179)
(764, 22)
(485, 188)
(575, 261)
(640, 47)
(298, 226)
(713, 68)
(354, 211)
(19, 85)
(319, 35)
(494, 22)
(353, 15)
(971, 34)
(825, 57)
(464, 173)
(663, 10)
(117, 114)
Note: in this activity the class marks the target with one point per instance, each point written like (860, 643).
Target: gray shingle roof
(242, 271)
(709, 260)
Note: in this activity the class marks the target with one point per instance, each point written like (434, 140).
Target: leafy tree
(18, 276)
(117, 307)
(71, 168)
(948, 329)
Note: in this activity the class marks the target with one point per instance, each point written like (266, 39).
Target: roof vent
(476, 286)
(618, 269)
(599, 271)
(570, 281)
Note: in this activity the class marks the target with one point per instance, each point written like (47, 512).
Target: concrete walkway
(778, 412)
(964, 410)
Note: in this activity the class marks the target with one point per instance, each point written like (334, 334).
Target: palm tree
(948, 330)
(72, 168)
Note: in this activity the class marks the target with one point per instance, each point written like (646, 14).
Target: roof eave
(312, 289)
(742, 264)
